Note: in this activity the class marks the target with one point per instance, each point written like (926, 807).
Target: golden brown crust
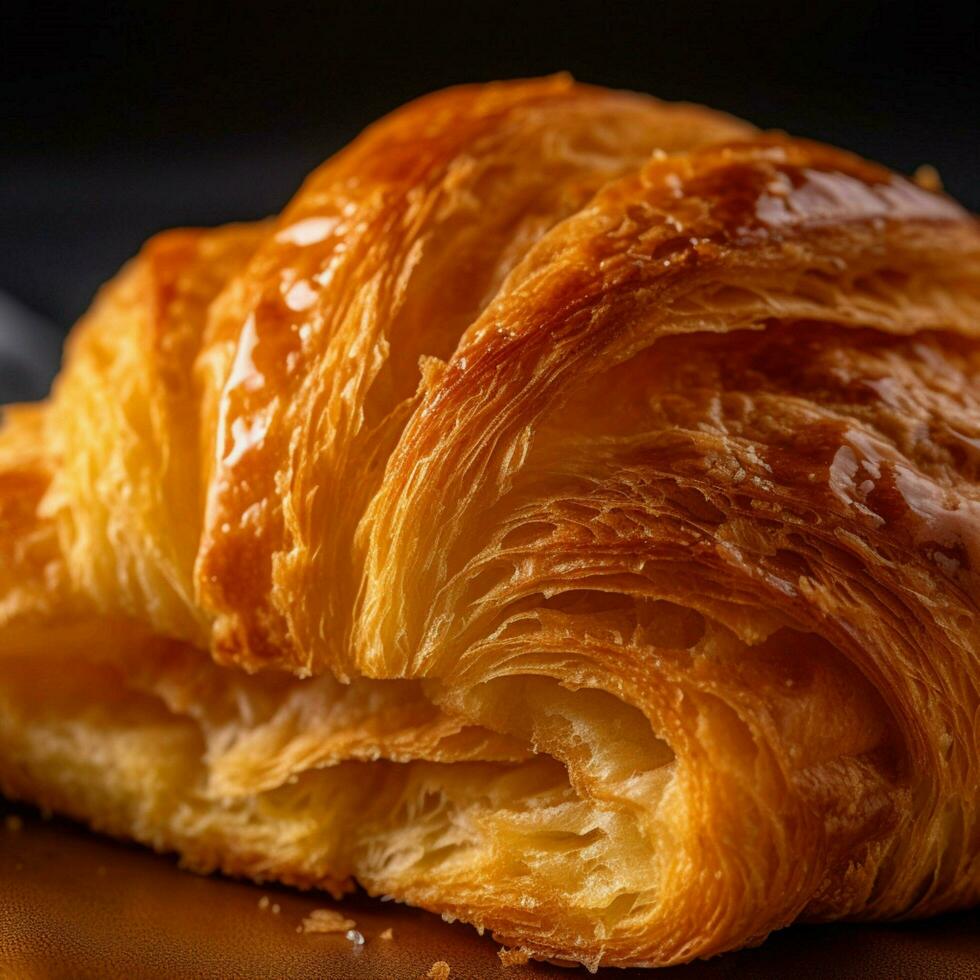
(128, 496)
(623, 460)
(389, 251)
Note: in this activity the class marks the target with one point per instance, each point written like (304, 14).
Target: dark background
(117, 120)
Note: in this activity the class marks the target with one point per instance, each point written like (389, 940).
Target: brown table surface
(75, 905)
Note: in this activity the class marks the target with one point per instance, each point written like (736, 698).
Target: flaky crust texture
(563, 516)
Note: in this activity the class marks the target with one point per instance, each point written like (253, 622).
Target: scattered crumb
(355, 937)
(13, 823)
(513, 957)
(439, 970)
(276, 909)
(387, 934)
(927, 177)
(264, 902)
(327, 920)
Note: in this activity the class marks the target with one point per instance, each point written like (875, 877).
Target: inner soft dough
(146, 749)
(563, 517)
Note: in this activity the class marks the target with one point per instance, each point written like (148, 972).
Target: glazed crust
(565, 480)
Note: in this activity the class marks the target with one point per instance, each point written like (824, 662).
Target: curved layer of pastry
(578, 498)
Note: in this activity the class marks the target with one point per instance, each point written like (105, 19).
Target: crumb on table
(387, 934)
(439, 971)
(327, 920)
(513, 957)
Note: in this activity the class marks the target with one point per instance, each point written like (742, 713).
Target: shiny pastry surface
(565, 516)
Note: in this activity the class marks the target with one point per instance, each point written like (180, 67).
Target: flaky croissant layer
(564, 516)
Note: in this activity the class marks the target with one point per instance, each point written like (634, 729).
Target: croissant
(565, 517)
